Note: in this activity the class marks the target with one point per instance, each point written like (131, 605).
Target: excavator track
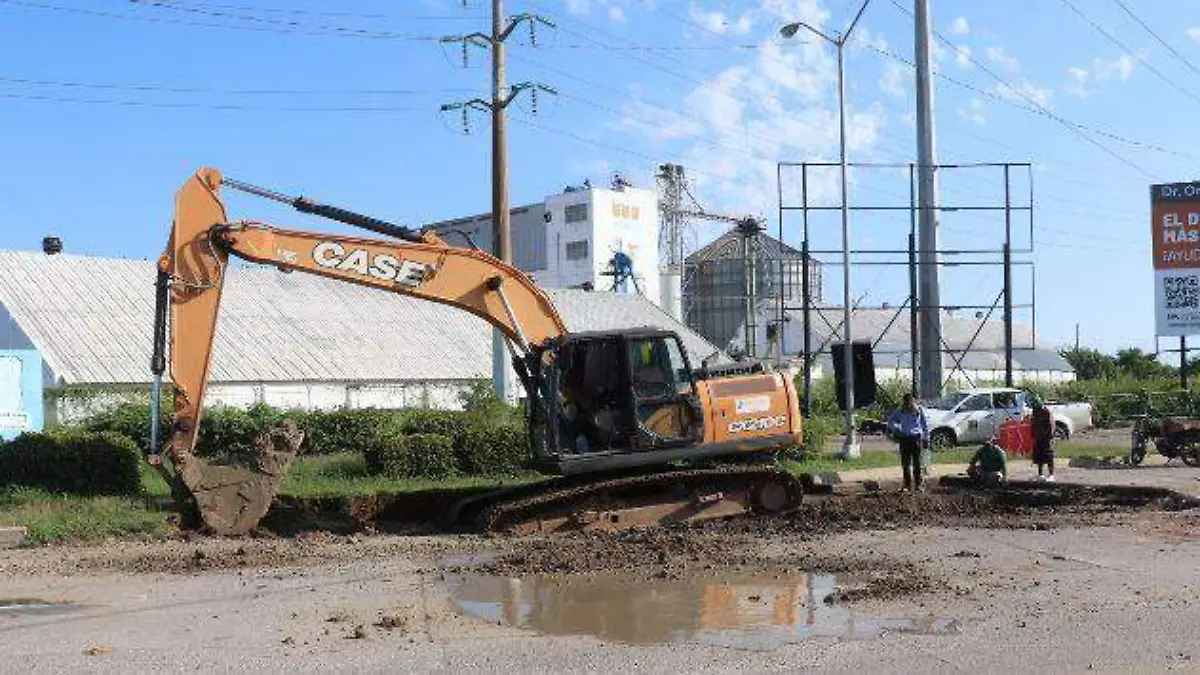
(638, 501)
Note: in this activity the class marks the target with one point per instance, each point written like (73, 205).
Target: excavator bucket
(230, 499)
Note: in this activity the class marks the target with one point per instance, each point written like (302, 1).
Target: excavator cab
(612, 395)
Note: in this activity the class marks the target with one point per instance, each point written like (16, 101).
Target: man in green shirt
(989, 466)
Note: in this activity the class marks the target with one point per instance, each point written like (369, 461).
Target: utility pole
(497, 107)
(1076, 338)
(501, 232)
(927, 224)
(850, 447)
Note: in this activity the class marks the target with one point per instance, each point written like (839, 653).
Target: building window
(577, 213)
(625, 211)
(577, 250)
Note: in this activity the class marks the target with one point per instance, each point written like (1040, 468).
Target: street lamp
(850, 447)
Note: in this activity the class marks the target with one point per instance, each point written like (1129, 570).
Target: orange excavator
(622, 419)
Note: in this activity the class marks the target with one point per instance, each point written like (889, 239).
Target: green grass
(345, 475)
(51, 518)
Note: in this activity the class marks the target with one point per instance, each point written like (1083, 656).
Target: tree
(1090, 364)
(1141, 365)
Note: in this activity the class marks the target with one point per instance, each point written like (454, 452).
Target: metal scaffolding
(1006, 254)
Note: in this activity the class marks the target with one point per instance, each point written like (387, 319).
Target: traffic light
(863, 362)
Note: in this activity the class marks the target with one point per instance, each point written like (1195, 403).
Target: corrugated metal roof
(729, 245)
(985, 338)
(92, 318)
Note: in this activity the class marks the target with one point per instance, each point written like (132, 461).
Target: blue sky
(107, 105)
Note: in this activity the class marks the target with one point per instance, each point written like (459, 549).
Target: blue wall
(27, 391)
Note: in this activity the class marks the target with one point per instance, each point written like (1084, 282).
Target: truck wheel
(1061, 432)
(942, 439)
(1190, 455)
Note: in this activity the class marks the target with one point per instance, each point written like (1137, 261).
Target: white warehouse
(289, 340)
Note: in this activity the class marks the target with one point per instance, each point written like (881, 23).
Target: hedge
(487, 438)
(413, 456)
(494, 449)
(131, 420)
(342, 430)
(82, 463)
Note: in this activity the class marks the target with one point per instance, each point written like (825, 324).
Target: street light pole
(850, 447)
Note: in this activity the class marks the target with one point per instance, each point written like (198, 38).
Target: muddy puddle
(741, 612)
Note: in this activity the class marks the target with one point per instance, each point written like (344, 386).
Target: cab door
(666, 408)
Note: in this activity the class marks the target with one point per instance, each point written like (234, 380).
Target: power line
(1154, 35)
(1042, 112)
(200, 106)
(765, 94)
(171, 89)
(283, 23)
(321, 13)
(1017, 92)
(1113, 39)
(30, 4)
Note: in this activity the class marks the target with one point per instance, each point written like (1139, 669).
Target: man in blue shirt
(911, 430)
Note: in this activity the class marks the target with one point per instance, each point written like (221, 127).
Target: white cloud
(657, 123)
(960, 26)
(1078, 84)
(963, 57)
(974, 111)
(1194, 33)
(616, 13)
(897, 79)
(1083, 82)
(1026, 93)
(1120, 67)
(718, 22)
(579, 6)
(1000, 57)
(776, 103)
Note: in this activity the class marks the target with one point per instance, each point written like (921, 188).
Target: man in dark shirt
(1043, 439)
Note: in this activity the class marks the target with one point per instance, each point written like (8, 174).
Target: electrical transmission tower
(497, 106)
(677, 207)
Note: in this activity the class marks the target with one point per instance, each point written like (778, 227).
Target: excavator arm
(191, 279)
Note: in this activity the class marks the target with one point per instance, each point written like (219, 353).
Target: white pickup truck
(974, 415)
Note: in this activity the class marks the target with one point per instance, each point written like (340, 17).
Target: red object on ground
(1016, 437)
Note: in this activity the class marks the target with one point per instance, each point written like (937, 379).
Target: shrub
(131, 420)
(492, 449)
(818, 430)
(449, 423)
(414, 456)
(74, 462)
(231, 432)
(480, 401)
(343, 430)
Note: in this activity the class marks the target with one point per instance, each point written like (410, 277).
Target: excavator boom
(192, 274)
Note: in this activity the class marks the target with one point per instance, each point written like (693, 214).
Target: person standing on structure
(910, 429)
(1043, 439)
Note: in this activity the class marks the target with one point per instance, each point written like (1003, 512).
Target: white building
(289, 340)
(570, 239)
(975, 348)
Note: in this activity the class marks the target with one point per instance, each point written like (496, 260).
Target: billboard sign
(1175, 229)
